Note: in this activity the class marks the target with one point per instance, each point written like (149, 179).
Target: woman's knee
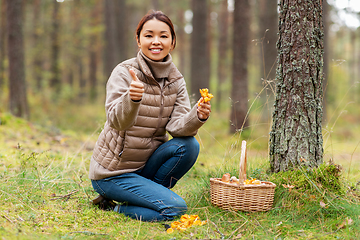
(190, 144)
(97, 187)
(177, 208)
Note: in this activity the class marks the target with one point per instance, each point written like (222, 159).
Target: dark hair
(158, 15)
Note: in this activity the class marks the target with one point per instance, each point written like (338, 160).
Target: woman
(133, 162)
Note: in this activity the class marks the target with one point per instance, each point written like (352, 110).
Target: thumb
(133, 75)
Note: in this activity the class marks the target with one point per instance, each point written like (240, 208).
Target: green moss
(326, 178)
(320, 191)
(8, 119)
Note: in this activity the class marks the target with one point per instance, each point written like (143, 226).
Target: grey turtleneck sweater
(160, 70)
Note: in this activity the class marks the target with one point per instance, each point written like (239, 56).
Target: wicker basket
(244, 197)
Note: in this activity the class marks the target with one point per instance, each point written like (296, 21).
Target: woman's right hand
(136, 87)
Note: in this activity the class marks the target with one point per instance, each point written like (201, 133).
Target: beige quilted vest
(130, 148)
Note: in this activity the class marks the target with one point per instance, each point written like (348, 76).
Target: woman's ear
(138, 41)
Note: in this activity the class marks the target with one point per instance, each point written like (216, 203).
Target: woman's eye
(148, 36)
(164, 36)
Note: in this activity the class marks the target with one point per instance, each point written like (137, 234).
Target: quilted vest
(130, 149)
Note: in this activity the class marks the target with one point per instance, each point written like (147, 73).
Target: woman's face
(155, 40)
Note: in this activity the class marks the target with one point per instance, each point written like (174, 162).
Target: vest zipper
(123, 142)
(161, 111)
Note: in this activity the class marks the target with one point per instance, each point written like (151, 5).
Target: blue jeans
(145, 194)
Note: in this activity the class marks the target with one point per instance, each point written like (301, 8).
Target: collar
(156, 69)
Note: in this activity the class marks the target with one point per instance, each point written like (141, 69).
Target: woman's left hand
(203, 111)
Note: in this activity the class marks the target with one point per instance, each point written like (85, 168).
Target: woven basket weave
(244, 197)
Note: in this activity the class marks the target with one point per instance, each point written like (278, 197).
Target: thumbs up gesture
(136, 87)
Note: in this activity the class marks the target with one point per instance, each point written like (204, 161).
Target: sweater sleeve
(121, 111)
(183, 120)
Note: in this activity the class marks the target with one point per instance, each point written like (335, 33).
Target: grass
(45, 191)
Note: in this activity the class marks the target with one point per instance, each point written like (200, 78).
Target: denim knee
(178, 208)
(190, 145)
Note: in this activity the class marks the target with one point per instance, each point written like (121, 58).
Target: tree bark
(94, 50)
(296, 137)
(111, 48)
(2, 44)
(78, 52)
(239, 90)
(268, 30)
(200, 70)
(121, 13)
(17, 86)
(55, 81)
(37, 34)
(222, 70)
(181, 49)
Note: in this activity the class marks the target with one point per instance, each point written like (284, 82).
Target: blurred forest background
(69, 48)
(55, 59)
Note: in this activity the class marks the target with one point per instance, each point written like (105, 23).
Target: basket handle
(242, 171)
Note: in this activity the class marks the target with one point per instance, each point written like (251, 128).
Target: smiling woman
(155, 39)
(133, 162)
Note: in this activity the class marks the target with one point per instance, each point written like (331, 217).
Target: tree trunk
(181, 42)
(2, 43)
(121, 13)
(199, 75)
(78, 52)
(223, 45)
(239, 90)
(326, 15)
(18, 96)
(72, 50)
(296, 137)
(55, 81)
(82, 80)
(37, 60)
(110, 49)
(268, 30)
(94, 49)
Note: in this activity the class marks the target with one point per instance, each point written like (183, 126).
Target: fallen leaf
(342, 225)
(349, 221)
(322, 204)
(288, 186)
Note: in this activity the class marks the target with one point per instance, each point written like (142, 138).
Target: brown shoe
(104, 203)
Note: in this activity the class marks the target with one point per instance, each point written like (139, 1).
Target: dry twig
(7, 218)
(66, 196)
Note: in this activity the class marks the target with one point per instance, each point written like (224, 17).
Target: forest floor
(45, 192)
